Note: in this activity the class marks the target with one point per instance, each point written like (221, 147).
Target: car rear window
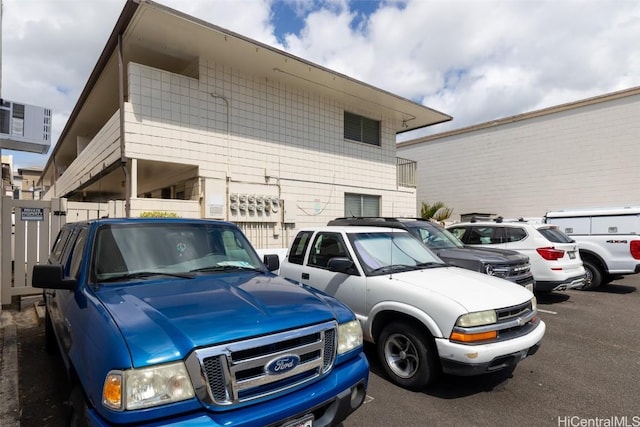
(555, 235)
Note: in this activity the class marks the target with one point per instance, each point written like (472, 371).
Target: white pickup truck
(608, 238)
(424, 316)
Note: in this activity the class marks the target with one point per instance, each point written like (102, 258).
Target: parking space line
(547, 311)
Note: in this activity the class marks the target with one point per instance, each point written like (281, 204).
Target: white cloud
(476, 60)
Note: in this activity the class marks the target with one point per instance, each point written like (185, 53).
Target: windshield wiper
(405, 267)
(394, 267)
(431, 265)
(225, 268)
(145, 274)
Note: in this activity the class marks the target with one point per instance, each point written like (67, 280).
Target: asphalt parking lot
(587, 373)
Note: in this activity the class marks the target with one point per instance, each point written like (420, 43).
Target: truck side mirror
(342, 265)
(51, 276)
(272, 262)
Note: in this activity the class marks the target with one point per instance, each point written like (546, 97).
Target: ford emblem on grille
(282, 364)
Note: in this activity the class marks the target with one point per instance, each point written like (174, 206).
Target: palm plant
(436, 211)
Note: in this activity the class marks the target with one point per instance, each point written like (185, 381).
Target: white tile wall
(296, 135)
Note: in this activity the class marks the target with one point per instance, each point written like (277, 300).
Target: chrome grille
(329, 347)
(237, 372)
(508, 313)
(516, 321)
(513, 270)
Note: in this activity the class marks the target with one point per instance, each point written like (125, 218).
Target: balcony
(406, 172)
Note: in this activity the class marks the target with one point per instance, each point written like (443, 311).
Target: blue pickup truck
(178, 322)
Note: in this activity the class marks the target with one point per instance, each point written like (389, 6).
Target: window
(325, 247)
(555, 235)
(358, 128)
(299, 247)
(17, 124)
(361, 205)
(5, 117)
(77, 254)
(515, 234)
(59, 245)
(460, 232)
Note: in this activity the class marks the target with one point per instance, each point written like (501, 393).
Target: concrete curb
(9, 399)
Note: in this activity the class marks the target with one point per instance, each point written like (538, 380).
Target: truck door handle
(305, 276)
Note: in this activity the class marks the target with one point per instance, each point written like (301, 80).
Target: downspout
(123, 159)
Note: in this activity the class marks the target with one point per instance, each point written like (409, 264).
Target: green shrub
(159, 214)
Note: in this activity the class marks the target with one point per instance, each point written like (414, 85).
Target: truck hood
(163, 320)
(469, 289)
(487, 255)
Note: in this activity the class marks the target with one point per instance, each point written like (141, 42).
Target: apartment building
(184, 116)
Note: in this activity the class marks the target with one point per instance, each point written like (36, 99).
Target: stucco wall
(583, 157)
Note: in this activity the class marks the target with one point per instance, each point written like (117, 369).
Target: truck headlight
(146, 387)
(478, 318)
(461, 334)
(349, 336)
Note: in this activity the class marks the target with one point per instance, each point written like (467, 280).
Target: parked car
(608, 239)
(503, 263)
(423, 316)
(164, 321)
(554, 256)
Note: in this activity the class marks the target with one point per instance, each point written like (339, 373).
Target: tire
(408, 356)
(50, 343)
(594, 275)
(78, 408)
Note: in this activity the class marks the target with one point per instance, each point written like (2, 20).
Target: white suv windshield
(382, 252)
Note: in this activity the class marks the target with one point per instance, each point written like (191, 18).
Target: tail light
(550, 254)
(635, 249)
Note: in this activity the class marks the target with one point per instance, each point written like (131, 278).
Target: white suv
(554, 256)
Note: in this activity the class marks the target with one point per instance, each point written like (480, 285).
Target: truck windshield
(129, 251)
(385, 252)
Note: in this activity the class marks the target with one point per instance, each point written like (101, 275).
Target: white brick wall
(585, 157)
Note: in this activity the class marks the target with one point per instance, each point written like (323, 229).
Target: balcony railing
(406, 172)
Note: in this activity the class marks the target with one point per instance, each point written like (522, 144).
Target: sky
(475, 60)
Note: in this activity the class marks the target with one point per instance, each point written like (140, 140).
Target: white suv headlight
(147, 387)
(349, 336)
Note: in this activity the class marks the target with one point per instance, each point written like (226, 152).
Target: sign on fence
(32, 214)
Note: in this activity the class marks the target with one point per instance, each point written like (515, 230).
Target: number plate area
(306, 421)
(572, 255)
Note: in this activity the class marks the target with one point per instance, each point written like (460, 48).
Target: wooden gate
(28, 228)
